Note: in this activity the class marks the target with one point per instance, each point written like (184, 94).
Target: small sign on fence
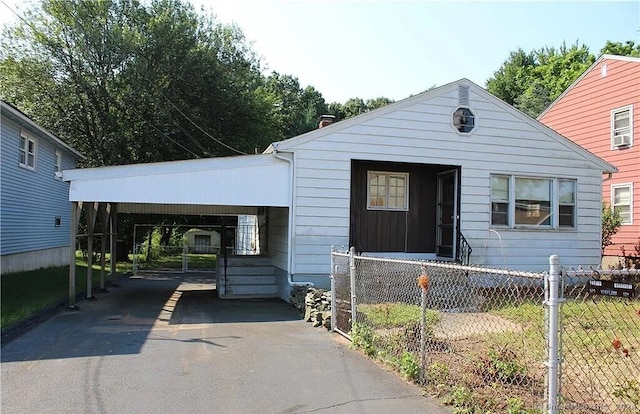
(611, 288)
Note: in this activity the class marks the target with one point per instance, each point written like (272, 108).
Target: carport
(214, 186)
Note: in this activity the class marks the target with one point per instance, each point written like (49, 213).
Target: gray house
(34, 201)
(436, 175)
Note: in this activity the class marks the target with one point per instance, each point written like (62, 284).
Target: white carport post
(76, 208)
(104, 218)
(113, 232)
(91, 221)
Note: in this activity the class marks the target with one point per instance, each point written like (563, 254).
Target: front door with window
(447, 214)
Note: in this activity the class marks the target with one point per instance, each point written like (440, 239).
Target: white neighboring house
(425, 177)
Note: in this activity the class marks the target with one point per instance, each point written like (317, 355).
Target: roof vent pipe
(326, 120)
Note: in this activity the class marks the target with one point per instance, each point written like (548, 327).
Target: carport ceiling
(213, 186)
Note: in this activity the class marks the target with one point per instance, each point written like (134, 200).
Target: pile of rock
(317, 304)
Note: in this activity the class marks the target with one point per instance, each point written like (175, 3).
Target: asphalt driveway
(166, 344)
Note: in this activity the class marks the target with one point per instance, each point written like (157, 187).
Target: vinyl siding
(583, 115)
(422, 133)
(30, 200)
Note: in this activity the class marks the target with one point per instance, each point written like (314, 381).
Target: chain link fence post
(423, 282)
(553, 301)
(334, 311)
(352, 280)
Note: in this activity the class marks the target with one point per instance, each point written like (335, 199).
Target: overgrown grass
(24, 294)
(395, 315)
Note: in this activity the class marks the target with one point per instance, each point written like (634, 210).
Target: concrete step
(248, 270)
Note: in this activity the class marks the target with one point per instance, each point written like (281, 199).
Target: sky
(368, 49)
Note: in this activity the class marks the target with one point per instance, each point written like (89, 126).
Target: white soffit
(248, 180)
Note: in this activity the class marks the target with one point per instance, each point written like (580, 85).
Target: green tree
(294, 110)
(611, 222)
(628, 48)
(531, 81)
(124, 82)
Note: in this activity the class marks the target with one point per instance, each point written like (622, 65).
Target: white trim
(626, 140)
(612, 195)
(29, 138)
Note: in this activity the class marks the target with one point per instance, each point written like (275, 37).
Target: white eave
(247, 180)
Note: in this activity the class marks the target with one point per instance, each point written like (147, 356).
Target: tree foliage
(611, 222)
(123, 82)
(294, 110)
(532, 81)
(628, 48)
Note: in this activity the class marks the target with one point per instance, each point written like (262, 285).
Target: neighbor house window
(622, 127)
(57, 166)
(28, 146)
(58, 221)
(533, 202)
(621, 200)
(387, 190)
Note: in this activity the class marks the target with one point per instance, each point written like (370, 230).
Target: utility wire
(173, 140)
(198, 126)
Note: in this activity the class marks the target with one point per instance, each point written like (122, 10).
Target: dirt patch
(462, 325)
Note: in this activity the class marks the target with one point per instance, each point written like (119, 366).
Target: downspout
(291, 220)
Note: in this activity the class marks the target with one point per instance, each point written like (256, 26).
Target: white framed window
(533, 202)
(57, 166)
(622, 127)
(622, 201)
(28, 148)
(500, 200)
(387, 190)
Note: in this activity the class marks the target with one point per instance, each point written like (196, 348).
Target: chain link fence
(473, 336)
(600, 346)
(479, 338)
(174, 259)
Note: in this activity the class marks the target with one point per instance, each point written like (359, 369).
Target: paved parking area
(167, 344)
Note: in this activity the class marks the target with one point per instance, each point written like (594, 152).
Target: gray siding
(30, 200)
(503, 142)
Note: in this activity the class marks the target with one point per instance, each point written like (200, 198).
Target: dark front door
(447, 213)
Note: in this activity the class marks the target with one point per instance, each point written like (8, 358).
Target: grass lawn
(194, 261)
(24, 294)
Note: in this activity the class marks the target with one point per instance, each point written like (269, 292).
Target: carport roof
(215, 184)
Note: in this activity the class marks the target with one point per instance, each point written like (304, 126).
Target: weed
(437, 373)
(363, 338)
(410, 367)
(629, 391)
(502, 366)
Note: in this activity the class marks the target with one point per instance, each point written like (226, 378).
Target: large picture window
(532, 202)
(621, 201)
(28, 146)
(387, 191)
